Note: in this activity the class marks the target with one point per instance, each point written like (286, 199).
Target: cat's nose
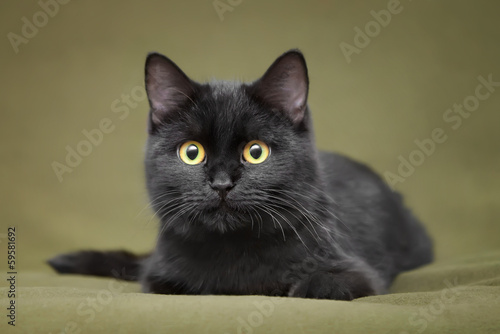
(222, 183)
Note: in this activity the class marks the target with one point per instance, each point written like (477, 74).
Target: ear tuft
(285, 85)
(168, 88)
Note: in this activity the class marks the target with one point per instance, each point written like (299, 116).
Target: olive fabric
(456, 296)
(411, 88)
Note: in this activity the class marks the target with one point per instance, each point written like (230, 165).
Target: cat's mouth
(219, 206)
(223, 213)
(224, 205)
(221, 201)
(224, 217)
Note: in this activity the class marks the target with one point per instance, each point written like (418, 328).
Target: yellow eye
(192, 152)
(255, 152)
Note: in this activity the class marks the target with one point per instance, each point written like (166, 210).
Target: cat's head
(226, 156)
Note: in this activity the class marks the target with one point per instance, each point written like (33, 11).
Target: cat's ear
(168, 88)
(285, 85)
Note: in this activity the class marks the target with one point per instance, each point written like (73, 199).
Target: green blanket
(378, 103)
(460, 296)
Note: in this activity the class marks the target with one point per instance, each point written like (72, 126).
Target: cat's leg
(329, 285)
(340, 282)
(156, 277)
(164, 287)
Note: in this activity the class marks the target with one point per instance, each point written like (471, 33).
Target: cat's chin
(224, 219)
(223, 214)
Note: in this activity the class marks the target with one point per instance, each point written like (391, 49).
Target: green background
(396, 90)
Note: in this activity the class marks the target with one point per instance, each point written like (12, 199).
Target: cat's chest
(232, 269)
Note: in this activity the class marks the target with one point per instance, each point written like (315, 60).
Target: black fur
(303, 223)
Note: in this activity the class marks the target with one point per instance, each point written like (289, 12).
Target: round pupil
(192, 151)
(255, 151)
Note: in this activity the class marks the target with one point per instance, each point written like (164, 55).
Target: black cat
(247, 205)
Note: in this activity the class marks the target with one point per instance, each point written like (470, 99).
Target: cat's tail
(118, 264)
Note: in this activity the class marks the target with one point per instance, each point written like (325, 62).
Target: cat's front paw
(328, 285)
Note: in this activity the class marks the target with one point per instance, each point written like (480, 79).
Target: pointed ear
(285, 85)
(168, 88)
